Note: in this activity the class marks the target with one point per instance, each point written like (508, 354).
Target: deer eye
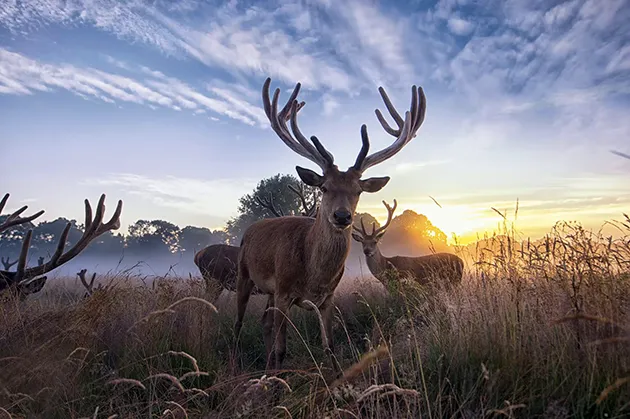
(324, 189)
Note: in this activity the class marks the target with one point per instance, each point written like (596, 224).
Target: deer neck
(377, 263)
(327, 249)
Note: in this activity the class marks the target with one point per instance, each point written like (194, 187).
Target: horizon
(159, 105)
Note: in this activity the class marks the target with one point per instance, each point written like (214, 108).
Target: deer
(218, 262)
(423, 269)
(25, 281)
(299, 261)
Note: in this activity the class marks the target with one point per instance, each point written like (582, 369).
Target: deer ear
(357, 237)
(309, 177)
(374, 184)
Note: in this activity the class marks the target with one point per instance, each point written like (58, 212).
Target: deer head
(370, 241)
(341, 189)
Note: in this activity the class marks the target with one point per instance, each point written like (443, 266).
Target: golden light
(463, 221)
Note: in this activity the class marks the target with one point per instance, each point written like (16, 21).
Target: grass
(535, 330)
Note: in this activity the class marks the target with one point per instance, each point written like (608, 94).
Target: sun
(461, 221)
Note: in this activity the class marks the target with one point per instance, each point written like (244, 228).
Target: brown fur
(218, 262)
(424, 269)
(294, 259)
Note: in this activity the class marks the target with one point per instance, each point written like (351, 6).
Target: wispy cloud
(217, 197)
(21, 75)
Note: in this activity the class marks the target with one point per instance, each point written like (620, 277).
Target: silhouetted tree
(192, 239)
(412, 233)
(155, 236)
(283, 198)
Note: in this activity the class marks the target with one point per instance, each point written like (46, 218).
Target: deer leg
(282, 305)
(267, 321)
(327, 310)
(244, 286)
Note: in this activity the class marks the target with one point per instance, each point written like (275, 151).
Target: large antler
(405, 132)
(381, 230)
(317, 154)
(15, 219)
(308, 211)
(94, 227)
(268, 203)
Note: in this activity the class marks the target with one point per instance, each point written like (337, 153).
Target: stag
(300, 260)
(217, 262)
(24, 281)
(421, 268)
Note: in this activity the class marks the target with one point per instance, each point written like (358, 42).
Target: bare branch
(6, 262)
(268, 204)
(308, 211)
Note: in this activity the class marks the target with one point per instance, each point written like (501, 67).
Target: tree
(11, 239)
(193, 239)
(413, 233)
(155, 236)
(276, 188)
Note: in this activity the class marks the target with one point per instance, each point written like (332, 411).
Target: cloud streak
(20, 75)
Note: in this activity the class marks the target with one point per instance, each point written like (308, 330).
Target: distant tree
(155, 236)
(193, 239)
(368, 219)
(11, 239)
(413, 233)
(276, 188)
(108, 244)
(46, 236)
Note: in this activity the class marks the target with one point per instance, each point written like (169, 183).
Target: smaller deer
(424, 269)
(217, 262)
(89, 286)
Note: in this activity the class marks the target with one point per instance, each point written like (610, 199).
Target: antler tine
(3, 202)
(94, 228)
(14, 218)
(405, 132)
(278, 122)
(19, 273)
(390, 215)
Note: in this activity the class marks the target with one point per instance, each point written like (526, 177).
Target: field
(535, 330)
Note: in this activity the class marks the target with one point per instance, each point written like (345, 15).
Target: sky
(159, 104)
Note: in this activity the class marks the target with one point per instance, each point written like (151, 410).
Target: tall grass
(535, 330)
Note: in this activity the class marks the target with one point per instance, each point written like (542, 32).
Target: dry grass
(535, 330)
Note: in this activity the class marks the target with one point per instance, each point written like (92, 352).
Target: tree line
(409, 232)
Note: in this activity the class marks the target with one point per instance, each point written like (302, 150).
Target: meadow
(536, 329)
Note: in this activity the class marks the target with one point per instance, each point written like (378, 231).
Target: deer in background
(300, 260)
(218, 262)
(423, 269)
(24, 281)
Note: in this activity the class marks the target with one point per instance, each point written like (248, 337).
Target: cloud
(460, 26)
(329, 105)
(20, 75)
(216, 197)
(332, 46)
(412, 167)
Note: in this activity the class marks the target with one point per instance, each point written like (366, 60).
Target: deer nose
(343, 217)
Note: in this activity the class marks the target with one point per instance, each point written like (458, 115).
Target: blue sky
(158, 103)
